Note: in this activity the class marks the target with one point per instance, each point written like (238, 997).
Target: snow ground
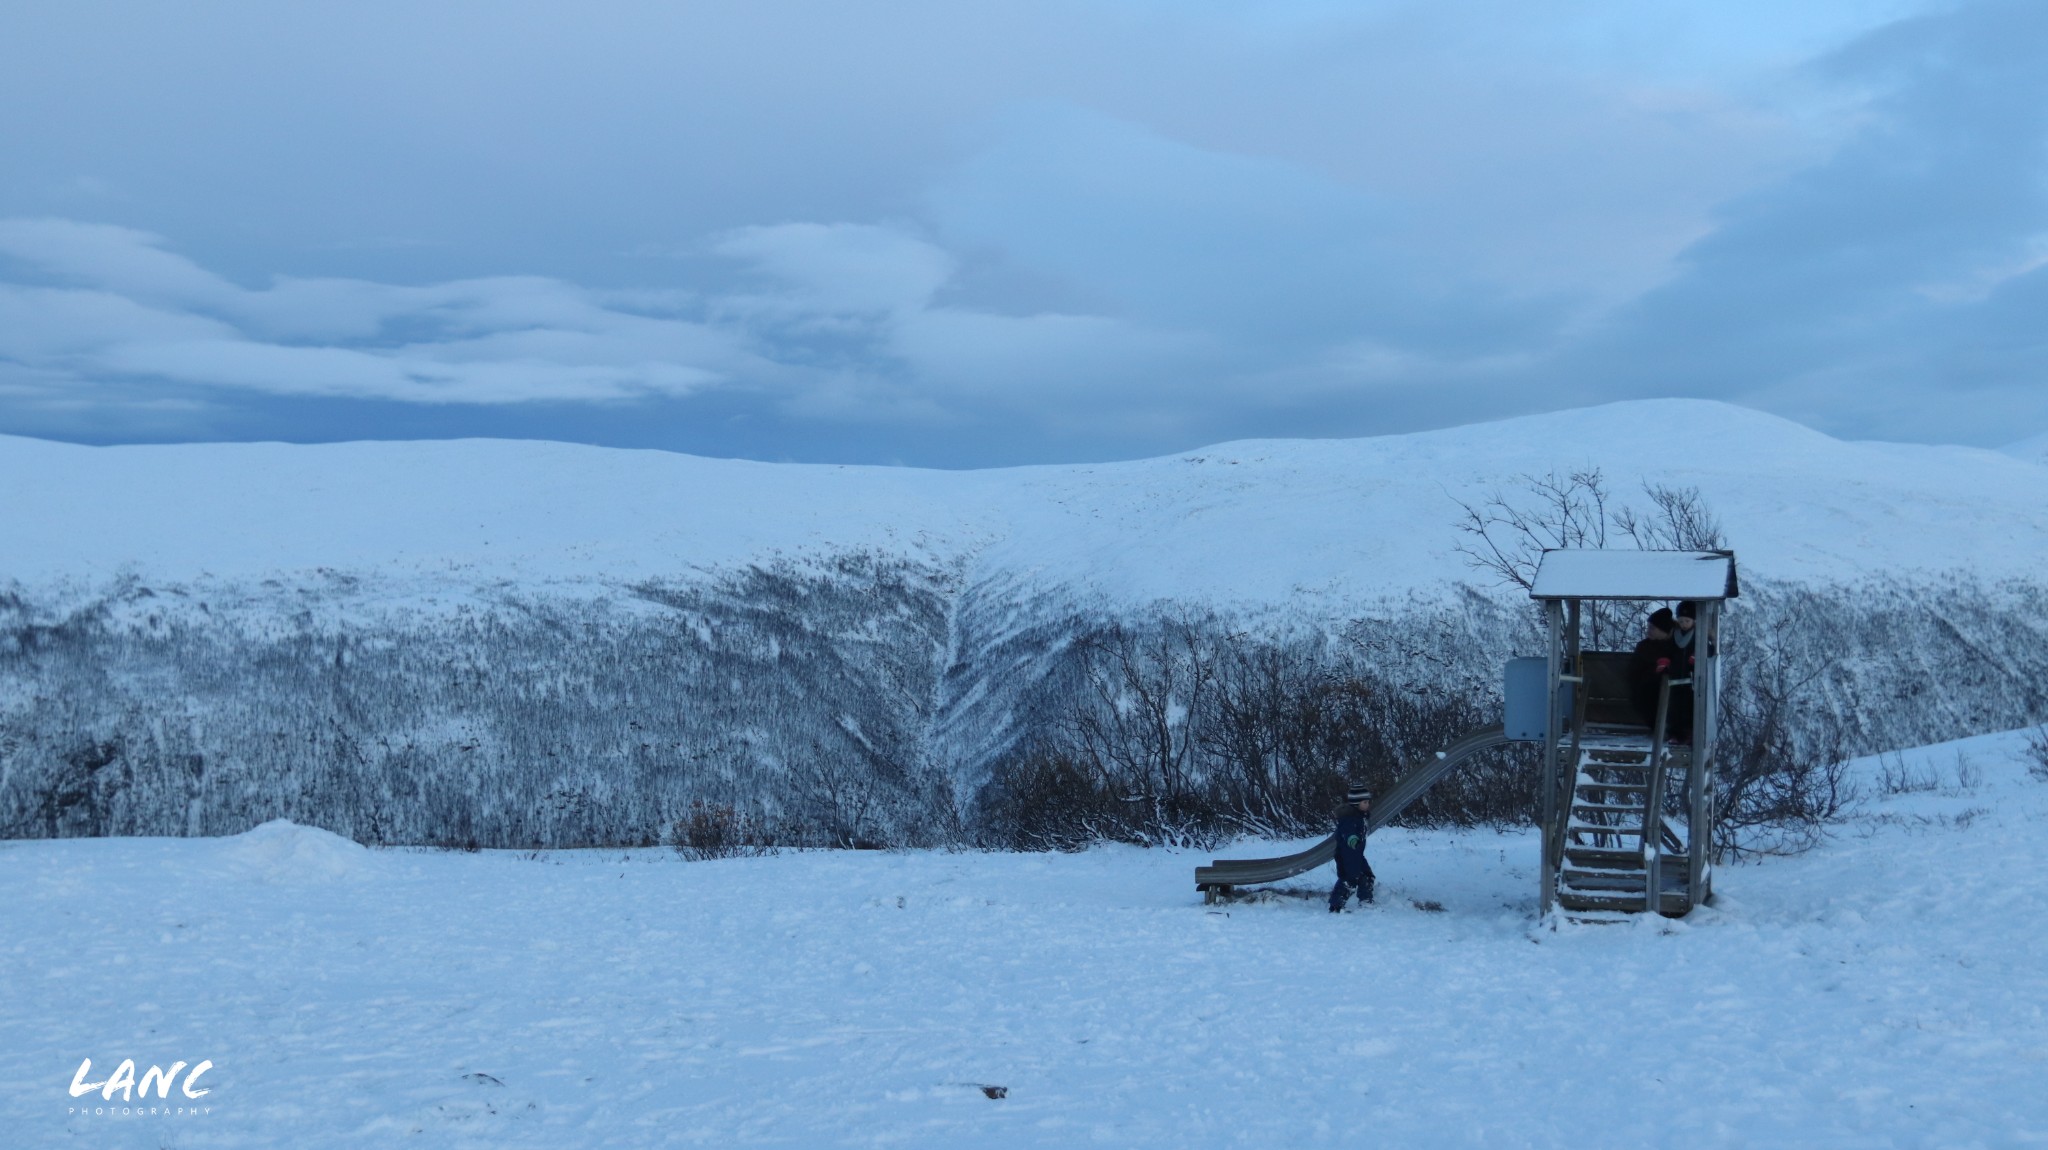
(1884, 990)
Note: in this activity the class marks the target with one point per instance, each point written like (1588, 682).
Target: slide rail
(1225, 873)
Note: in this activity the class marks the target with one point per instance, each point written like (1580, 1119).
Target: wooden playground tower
(1627, 813)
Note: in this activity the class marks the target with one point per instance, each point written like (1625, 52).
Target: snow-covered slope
(2033, 450)
(1327, 524)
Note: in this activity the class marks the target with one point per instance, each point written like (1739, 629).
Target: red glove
(1663, 666)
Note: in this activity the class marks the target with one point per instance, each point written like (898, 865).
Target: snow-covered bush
(872, 701)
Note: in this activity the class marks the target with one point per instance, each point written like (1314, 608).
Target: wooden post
(1547, 813)
(1574, 657)
(1699, 779)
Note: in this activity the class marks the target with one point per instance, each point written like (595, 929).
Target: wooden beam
(1547, 799)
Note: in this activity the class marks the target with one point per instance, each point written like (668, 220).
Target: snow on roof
(1635, 575)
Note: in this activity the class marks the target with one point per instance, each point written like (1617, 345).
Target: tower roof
(1589, 574)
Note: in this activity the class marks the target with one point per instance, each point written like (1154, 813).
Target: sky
(964, 235)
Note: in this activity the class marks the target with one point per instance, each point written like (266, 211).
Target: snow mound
(2034, 450)
(282, 851)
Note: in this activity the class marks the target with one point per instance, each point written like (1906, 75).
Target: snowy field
(1884, 990)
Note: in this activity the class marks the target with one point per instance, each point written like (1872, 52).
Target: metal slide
(1223, 874)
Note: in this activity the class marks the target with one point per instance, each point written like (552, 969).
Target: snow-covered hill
(2033, 450)
(1326, 525)
(534, 643)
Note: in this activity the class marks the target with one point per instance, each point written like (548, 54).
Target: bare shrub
(719, 831)
(1045, 800)
(843, 796)
(1135, 731)
(1508, 530)
(1680, 520)
(1782, 775)
(1188, 734)
(1897, 776)
(2037, 752)
(1969, 776)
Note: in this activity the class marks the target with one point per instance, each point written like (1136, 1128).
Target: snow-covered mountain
(515, 642)
(1324, 525)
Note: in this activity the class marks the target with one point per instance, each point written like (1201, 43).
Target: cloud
(841, 267)
(142, 313)
(1175, 235)
(1019, 230)
(46, 326)
(124, 261)
(1886, 290)
(1047, 363)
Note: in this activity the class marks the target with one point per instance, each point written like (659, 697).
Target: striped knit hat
(1357, 794)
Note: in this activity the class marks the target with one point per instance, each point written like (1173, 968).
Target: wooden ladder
(1607, 865)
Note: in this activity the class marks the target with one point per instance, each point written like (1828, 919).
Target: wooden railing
(1653, 802)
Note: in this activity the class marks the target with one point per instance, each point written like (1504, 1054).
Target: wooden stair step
(1592, 858)
(1673, 902)
(1610, 882)
(1673, 870)
(1632, 884)
(1602, 872)
(1609, 858)
(1631, 826)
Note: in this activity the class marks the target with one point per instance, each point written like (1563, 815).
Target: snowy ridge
(1324, 525)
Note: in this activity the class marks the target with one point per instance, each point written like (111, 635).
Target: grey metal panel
(1525, 686)
(1385, 808)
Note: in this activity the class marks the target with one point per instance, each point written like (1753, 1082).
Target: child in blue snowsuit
(1353, 872)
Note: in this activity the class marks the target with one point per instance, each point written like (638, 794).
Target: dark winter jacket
(1656, 660)
(1694, 646)
(1351, 844)
(1689, 646)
